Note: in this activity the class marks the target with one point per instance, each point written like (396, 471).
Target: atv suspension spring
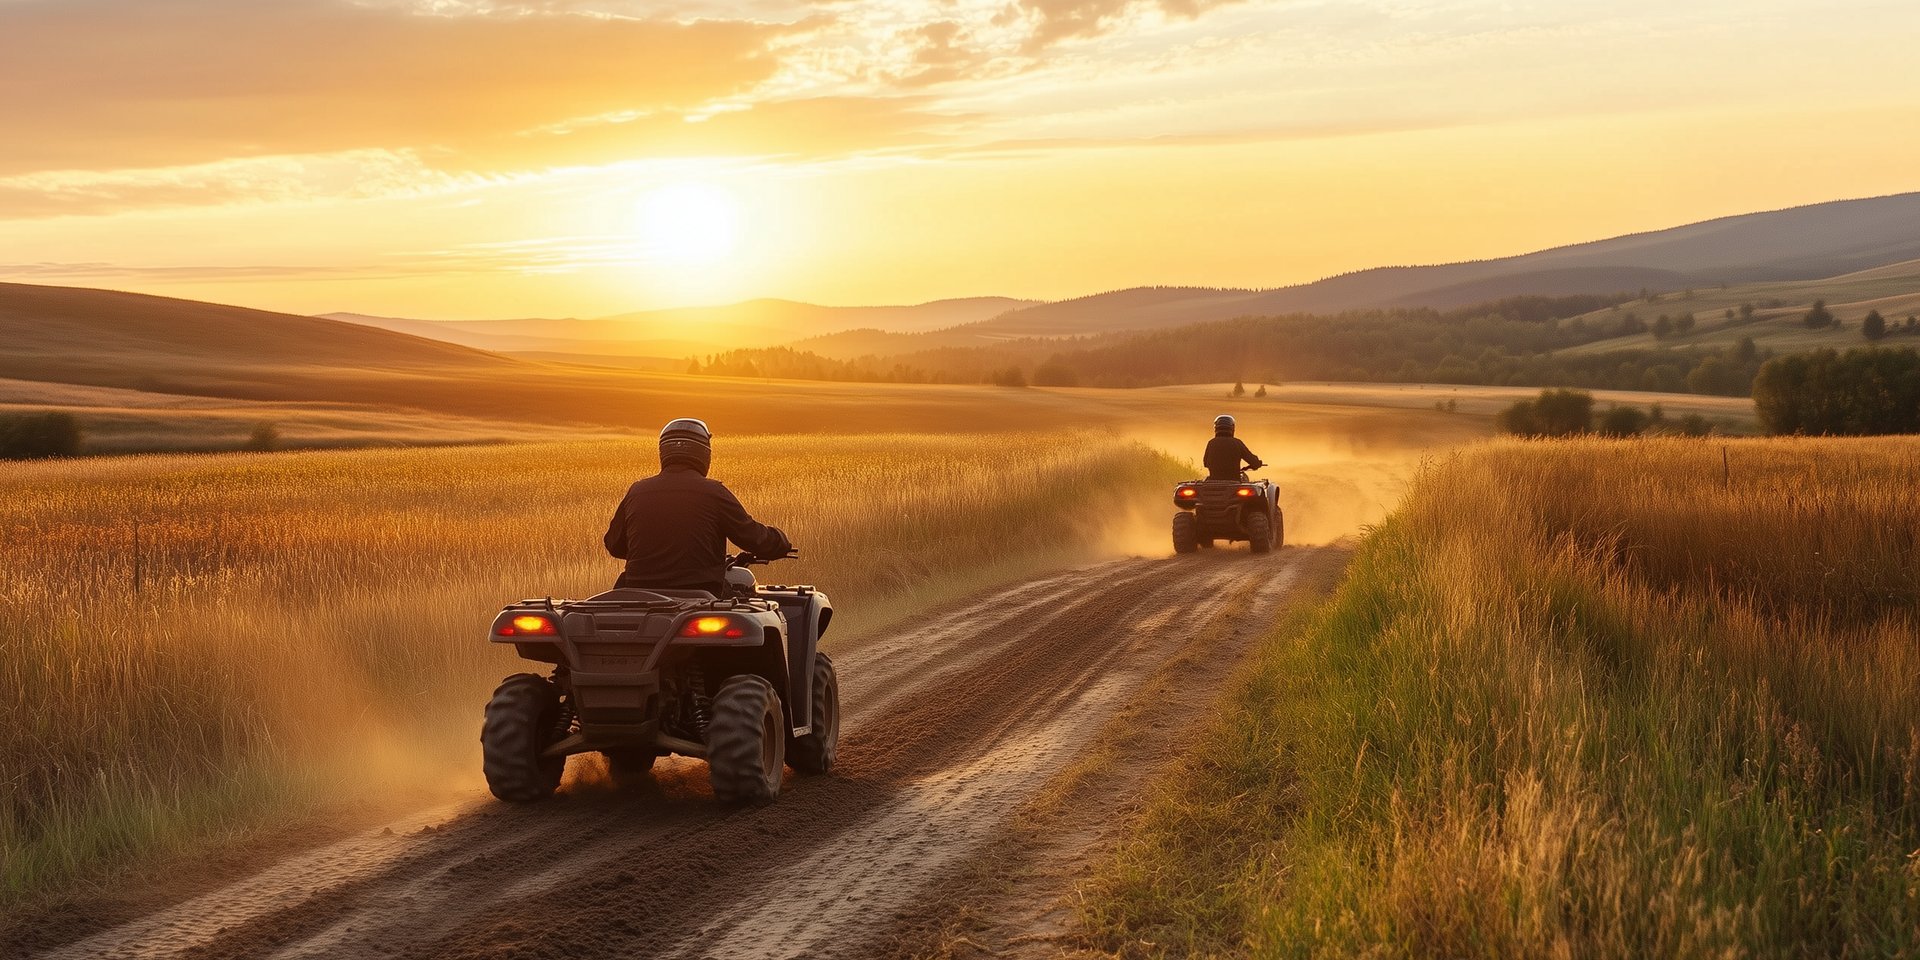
(565, 719)
(701, 703)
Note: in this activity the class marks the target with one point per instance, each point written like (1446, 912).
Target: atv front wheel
(1260, 533)
(1186, 533)
(815, 752)
(630, 766)
(520, 720)
(746, 741)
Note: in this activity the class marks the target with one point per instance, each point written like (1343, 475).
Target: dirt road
(948, 731)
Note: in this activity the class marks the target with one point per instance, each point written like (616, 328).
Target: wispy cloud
(349, 175)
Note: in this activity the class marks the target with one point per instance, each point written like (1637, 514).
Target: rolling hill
(1793, 245)
(112, 339)
(1775, 324)
(1801, 243)
(685, 331)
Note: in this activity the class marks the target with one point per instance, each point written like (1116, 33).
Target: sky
(461, 159)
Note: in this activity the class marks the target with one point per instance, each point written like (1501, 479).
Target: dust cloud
(1339, 470)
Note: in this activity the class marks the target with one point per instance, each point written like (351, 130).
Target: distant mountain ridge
(1798, 243)
(684, 331)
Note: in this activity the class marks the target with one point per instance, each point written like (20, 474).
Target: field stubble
(195, 644)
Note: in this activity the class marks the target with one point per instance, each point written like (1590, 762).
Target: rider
(1226, 452)
(672, 527)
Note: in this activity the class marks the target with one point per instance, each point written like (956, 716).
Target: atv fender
(807, 612)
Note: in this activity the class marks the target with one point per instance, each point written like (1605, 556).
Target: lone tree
(1819, 317)
(1239, 389)
(1874, 326)
(265, 437)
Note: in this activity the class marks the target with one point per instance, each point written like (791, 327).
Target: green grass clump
(1576, 699)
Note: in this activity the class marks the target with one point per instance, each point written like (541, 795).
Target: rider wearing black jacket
(672, 527)
(1226, 452)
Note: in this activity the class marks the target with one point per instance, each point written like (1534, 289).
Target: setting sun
(689, 223)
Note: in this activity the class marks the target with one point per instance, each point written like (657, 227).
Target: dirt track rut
(948, 729)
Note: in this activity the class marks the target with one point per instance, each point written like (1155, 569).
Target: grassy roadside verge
(1579, 699)
(198, 645)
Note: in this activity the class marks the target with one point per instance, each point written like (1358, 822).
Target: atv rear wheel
(746, 741)
(519, 725)
(1279, 529)
(1260, 533)
(815, 752)
(1186, 533)
(630, 766)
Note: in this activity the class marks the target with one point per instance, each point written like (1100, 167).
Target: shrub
(39, 436)
(1554, 413)
(266, 436)
(1624, 422)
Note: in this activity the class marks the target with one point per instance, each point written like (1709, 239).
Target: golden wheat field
(196, 642)
(1577, 699)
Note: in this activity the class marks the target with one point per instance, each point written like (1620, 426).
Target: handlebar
(747, 559)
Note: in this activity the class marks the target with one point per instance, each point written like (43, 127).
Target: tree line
(1514, 341)
(1868, 390)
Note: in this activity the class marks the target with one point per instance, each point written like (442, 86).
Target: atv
(1229, 510)
(736, 680)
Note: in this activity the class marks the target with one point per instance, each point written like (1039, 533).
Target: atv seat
(637, 594)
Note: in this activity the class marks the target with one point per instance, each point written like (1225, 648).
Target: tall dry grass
(298, 628)
(1577, 699)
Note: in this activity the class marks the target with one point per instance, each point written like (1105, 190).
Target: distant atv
(1229, 510)
(736, 680)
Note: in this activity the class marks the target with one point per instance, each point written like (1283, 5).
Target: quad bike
(1229, 510)
(736, 680)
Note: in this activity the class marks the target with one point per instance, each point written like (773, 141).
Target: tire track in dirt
(947, 728)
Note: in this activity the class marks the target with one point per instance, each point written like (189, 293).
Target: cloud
(808, 128)
(96, 84)
(1058, 20)
(354, 174)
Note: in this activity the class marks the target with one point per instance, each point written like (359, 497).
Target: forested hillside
(1515, 341)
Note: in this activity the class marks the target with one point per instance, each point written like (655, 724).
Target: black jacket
(1224, 456)
(672, 530)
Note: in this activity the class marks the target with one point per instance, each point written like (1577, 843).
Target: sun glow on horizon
(690, 223)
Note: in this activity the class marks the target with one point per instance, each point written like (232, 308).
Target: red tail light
(527, 625)
(1244, 492)
(1187, 493)
(728, 628)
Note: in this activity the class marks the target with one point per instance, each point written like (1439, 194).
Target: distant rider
(1226, 452)
(672, 527)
